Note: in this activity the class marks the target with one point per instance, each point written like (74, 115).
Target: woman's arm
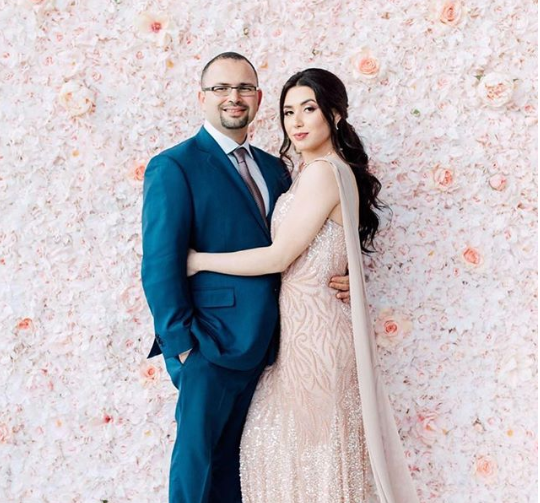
(316, 196)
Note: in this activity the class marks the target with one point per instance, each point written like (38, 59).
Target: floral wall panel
(444, 96)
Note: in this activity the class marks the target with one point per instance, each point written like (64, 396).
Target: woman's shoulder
(316, 177)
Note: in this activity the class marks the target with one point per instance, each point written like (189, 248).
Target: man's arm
(166, 227)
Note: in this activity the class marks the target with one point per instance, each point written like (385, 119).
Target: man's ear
(201, 98)
(259, 97)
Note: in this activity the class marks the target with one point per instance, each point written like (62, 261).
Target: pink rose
(137, 172)
(498, 182)
(451, 12)
(485, 468)
(150, 373)
(366, 65)
(391, 328)
(472, 257)
(25, 324)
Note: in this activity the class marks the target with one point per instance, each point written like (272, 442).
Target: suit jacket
(194, 197)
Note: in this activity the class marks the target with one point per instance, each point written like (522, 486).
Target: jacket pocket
(215, 297)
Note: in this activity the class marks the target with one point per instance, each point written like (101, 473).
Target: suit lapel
(218, 158)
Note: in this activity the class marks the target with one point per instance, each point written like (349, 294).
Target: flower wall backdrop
(444, 95)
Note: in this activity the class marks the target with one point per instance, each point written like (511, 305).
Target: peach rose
(391, 328)
(451, 12)
(150, 373)
(137, 172)
(496, 89)
(76, 98)
(443, 178)
(366, 65)
(485, 468)
(472, 257)
(427, 428)
(498, 182)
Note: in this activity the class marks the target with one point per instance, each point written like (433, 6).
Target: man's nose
(234, 95)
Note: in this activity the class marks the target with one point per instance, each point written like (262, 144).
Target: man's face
(233, 113)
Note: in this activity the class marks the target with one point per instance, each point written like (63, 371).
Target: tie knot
(240, 154)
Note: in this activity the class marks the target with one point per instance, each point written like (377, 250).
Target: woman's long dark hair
(331, 96)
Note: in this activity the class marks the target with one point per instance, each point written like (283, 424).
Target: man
(215, 193)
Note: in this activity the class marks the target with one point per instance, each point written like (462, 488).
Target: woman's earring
(337, 126)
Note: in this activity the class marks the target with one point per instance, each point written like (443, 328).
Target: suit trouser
(210, 414)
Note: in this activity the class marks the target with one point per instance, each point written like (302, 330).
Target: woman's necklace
(303, 164)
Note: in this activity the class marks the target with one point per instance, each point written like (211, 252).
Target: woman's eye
(288, 112)
(309, 109)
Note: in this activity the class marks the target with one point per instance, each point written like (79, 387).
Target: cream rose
(76, 98)
(496, 89)
(391, 328)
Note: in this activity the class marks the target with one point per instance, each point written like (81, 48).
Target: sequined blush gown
(303, 441)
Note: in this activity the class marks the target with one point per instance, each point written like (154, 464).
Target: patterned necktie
(240, 156)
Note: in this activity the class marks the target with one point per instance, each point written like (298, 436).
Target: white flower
(516, 367)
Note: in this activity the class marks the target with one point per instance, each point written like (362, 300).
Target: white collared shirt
(228, 145)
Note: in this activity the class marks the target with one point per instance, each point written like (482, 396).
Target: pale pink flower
(498, 182)
(155, 27)
(495, 89)
(5, 433)
(442, 178)
(391, 328)
(427, 428)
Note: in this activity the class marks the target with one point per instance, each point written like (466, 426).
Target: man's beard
(234, 123)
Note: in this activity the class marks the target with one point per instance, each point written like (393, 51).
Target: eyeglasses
(244, 90)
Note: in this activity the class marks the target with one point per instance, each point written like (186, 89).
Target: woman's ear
(337, 118)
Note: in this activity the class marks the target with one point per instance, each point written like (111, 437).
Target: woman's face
(305, 124)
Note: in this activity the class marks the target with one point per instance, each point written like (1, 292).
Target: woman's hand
(192, 263)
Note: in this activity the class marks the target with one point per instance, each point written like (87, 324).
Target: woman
(320, 428)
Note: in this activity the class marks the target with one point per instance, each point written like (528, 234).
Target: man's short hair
(228, 55)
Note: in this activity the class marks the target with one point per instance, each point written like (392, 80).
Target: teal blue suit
(195, 198)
